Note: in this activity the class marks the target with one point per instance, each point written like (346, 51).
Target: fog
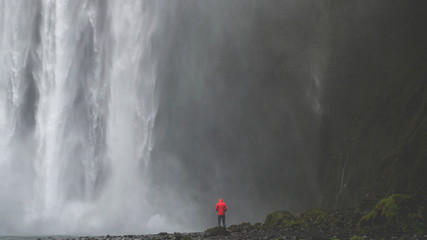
(238, 108)
(136, 116)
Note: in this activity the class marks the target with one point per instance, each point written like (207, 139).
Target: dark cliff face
(374, 129)
(235, 118)
(286, 105)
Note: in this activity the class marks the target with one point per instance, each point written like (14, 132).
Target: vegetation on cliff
(374, 124)
(397, 214)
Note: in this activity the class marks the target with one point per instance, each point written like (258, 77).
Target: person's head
(220, 200)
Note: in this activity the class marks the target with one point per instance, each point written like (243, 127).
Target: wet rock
(243, 227)
(180, 236)
(216, 231)
(398, 213)
(279, 219)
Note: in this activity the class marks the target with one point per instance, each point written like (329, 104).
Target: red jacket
(221, 207)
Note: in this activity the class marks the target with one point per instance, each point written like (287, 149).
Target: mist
(238, 86)
(137, 116)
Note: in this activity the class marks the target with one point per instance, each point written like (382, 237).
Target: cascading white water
(76, 114)
(234, 89)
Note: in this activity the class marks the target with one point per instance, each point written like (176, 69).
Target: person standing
(221, 207)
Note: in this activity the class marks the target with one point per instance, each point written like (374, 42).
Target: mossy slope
(395, 214)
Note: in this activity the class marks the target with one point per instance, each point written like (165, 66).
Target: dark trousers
(219, 220)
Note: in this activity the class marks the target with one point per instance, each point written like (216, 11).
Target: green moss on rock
(243, 227)
(315, 215)
(386, 211)
(216, 231)
(279, 219)
(312, 220)
(397, 213)
(258, 225)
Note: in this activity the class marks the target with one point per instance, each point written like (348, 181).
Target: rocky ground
(262, 235)
(246, 232)
(395, 217)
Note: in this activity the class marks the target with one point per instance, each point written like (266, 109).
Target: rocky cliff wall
(374, 133)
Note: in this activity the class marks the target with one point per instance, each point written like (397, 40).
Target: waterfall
(136, 116)
(77, 109)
